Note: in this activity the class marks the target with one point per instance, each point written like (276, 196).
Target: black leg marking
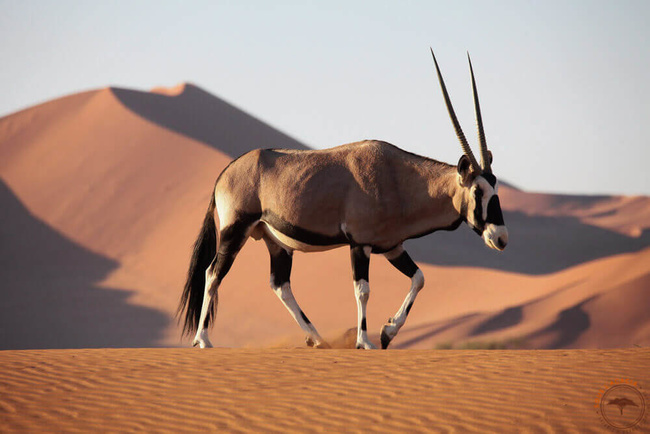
(281, 267)
(304, 317)
(364, 327)
(385, 340)
(408, 308)
(405, 264)
(360, 263)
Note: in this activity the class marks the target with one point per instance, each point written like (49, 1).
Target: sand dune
(104, 192)
(305, 390)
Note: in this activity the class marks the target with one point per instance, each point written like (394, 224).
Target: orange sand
(239, 390)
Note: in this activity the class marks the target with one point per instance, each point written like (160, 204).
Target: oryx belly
(291, 244)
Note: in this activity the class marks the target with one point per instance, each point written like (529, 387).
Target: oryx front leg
(403, 262)
(281, 262)
(360, 265)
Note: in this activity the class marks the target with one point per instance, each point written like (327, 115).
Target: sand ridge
(243, 390)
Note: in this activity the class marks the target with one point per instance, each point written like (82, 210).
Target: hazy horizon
(563, 86)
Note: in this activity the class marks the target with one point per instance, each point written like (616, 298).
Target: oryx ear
(464, 170)
(490, 156)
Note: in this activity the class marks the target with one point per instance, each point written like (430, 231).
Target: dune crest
(170, 91)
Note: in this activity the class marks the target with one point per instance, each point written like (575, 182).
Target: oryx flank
(371, 196)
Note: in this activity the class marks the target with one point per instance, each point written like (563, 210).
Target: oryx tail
(205, 249)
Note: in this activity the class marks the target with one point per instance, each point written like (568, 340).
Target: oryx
(371, 196)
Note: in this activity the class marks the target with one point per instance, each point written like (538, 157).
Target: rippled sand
(310, 390)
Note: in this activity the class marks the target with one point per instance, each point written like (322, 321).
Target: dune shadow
(49, 293)
(430, 330)
(567, 327)
(538, 245)
(202, 116)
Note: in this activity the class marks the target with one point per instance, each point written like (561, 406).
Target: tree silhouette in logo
(621, 403)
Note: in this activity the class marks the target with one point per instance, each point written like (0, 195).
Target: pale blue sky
(563, 84)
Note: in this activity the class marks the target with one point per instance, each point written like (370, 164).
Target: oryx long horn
(485, 158)
(459, 132)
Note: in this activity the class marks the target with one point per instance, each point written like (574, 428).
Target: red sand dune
(103, 193)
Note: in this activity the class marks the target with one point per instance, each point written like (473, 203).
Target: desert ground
(102, 195)
(306, 390)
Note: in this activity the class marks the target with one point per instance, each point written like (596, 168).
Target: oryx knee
(283, 291)
(362, 290)
(417, 281)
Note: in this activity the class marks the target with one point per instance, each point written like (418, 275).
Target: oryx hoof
(388, 332)
(316, 344)
(366, 346)
(201, 340)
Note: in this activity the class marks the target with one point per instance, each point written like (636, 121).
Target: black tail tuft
(205, 249)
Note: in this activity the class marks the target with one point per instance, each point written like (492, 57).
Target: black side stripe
(304, 235)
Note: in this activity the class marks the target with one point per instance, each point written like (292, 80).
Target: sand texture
(240, 390)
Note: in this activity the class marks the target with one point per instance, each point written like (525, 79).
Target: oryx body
(370, 196)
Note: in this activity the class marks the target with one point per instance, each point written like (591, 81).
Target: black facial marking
(491, 179)
(281, 267)
(363, 325)
(405, 264)
(304, 317)
(360, 263)
(494, 214)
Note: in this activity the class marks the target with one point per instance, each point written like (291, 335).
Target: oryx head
(477, 199)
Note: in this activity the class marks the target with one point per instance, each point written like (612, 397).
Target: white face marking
(493, 233)
(488, 192)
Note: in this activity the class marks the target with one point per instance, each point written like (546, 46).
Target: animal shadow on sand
(538, 245)
(49, 296)
(202, 116)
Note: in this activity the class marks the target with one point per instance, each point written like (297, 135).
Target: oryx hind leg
(360, 256)
(281, 261)
(403, 262)
(231, 239)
